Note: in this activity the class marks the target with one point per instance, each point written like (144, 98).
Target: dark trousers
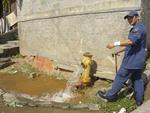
(122, 76)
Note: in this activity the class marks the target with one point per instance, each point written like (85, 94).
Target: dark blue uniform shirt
(135, 54)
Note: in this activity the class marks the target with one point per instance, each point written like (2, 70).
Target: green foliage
(6, 5)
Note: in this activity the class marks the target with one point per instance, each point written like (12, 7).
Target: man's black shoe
(139, 103)
(102, 96)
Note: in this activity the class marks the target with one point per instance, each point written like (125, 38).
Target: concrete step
(8, 45)
(5, 62)
(13, 42)
(9, 36)
(9, 49)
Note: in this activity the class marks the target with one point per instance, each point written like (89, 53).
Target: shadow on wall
(19, 3)
(146, 17)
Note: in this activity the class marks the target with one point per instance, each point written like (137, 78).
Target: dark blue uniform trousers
(122, 76)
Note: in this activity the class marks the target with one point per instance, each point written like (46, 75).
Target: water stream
(67, 93)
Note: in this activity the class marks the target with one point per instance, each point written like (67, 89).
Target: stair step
(14, 42)
(4, 60)
(11, 35)
(10, 44)
(5, 64)
(8, 47)
(7, 50)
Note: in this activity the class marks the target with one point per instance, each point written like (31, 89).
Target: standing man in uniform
(133, 62)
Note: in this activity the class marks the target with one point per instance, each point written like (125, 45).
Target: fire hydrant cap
(87, 54)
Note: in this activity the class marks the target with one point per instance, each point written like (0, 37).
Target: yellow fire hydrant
(86, 73)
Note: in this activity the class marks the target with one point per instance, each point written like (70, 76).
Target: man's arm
(125, 42)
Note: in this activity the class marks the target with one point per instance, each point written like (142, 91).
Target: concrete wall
(146, 17)
(63, 30)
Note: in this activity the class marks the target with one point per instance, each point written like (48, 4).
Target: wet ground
(20, 83)
(35, 87)
(31, 86)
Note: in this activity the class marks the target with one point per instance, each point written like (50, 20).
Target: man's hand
(115, 53)
(110, 45)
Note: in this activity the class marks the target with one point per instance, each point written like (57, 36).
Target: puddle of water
(49, 89)
(45, 88)
(36, 86)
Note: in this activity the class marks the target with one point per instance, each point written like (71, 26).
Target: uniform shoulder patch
(135, 30)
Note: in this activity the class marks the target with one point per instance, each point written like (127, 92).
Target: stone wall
(64, 30)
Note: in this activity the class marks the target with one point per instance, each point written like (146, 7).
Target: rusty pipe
(116, 66)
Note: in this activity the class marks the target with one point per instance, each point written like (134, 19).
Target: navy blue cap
(131, 14)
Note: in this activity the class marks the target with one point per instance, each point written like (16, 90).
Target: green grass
(110, 107)
(27, 68)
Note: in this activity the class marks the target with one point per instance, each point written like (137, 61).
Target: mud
(36, 86)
